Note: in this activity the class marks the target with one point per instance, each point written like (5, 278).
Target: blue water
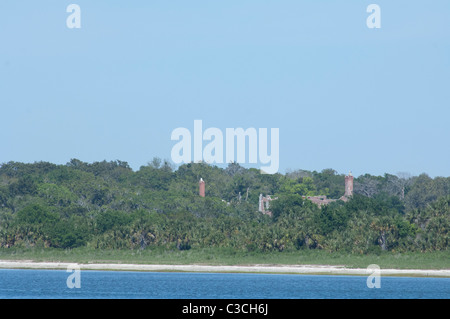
(45, 284)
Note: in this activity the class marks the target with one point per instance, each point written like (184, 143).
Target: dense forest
(108, 205)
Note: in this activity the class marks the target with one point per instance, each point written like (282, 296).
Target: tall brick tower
(201, 187)
(348, 185)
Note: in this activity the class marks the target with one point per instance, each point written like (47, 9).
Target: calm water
(16, 283)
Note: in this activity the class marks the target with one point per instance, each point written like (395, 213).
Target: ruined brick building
(264, 201)
(264, 204)
(318, 200)
(323, 200)
(201, 187)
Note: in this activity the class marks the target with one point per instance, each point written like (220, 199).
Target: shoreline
(257, 268)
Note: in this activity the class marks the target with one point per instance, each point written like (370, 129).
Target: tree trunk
(382, 241)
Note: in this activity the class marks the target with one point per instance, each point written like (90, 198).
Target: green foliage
(56, 195)
(68, 234)
(333, 217)
(36, 214)
(329, 183)
(302, 186)
(111, 219)
(105, 205)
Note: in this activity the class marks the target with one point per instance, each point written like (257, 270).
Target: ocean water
(46, 284)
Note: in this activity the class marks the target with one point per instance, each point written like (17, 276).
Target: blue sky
(343, 96)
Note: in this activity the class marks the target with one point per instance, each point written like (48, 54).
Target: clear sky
(342, 95)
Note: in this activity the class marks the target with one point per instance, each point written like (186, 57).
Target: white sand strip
(280, 269)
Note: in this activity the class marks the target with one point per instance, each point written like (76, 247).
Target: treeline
(108, 205)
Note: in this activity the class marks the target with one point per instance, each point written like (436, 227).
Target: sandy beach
(275, 269)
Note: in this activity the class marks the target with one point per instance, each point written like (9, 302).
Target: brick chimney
(348, 185)
(201, 187)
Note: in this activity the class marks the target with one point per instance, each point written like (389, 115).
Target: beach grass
(229, 257)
